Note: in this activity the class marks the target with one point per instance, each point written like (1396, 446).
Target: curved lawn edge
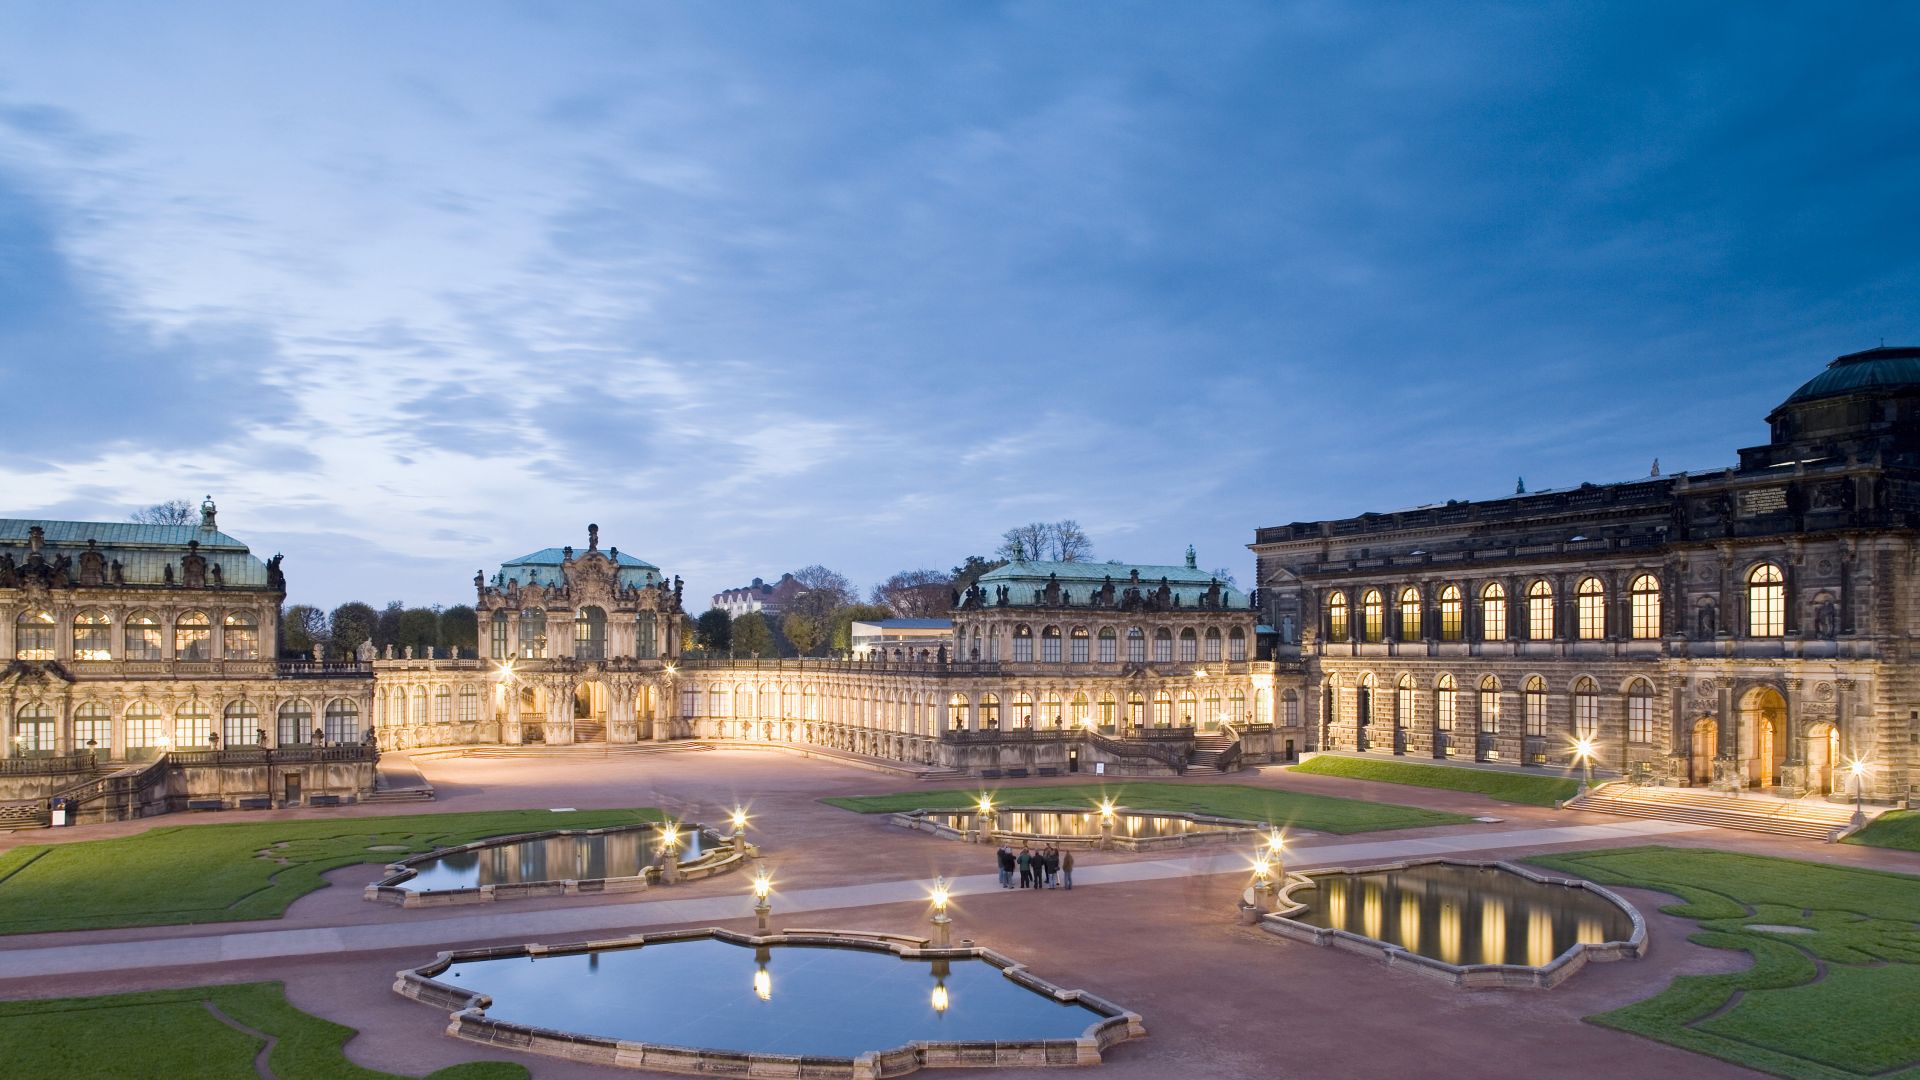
(1530, 790)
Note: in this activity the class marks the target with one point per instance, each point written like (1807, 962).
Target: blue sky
(412, 289)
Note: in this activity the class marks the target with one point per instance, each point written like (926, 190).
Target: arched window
(789, 701)
(1049, 709)
(1540, 611)
(1452, 618)
(1079, 653)
(192, 636)
(1373, 615)
(720, 701)
(533, 634)
(342, 721)
(1210, 712)
(1022, 645)
(33, 730)
(1766, 601)
(646, 635)
(93, 728)
(1162, 709)
(240, 636)
(497, 635)
(1590, 597)
(1493, 612)
(589, 633)
(240, 725)
(1237, 643)
(143, 636)
(92, 639)
(957, 712)
(1403, 702)
(192, 724)
(1444, 703)
(1490, 705)
(1107, 709)
(33, 635)
(1109, 645)
(1262, 711)
(1189, 646)
(989, 712)
(1050, 645)
(743, 702)
(1136, 711)
(1643, 596)
(1586, 708)
(1188, 707)
(1237, 707)
(443, 705)
(1410, 628)
(1640, 711)
(418, 714)
(1289, 708)
(812, 706)
(1080, 710)
(1536, 705)
(1136, 646)
(1210, 650)
(1163, 646)
(295, 725)
(1337, 616)
(146, 731)
(1022, 710)
(469, 704)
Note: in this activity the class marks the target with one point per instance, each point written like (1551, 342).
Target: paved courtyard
(1154, 932)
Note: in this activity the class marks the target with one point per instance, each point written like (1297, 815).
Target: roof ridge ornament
(207, 512)
(1193, 558)
(593, 538)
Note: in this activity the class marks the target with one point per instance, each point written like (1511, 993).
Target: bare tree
(826, 591)
(916, 594)
(1225, 577)
(171, 512)
(1057, 541)
(1025, 542)
(1070, 542)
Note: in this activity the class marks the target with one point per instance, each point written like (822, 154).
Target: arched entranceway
(532, 707)
(1703, 747)
(590, 712)
(1763, 736)
(1823, 754)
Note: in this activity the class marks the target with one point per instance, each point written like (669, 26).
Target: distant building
(900, 639)
(770, 600)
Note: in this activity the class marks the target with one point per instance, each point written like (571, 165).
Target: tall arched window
(720, 700)
(33, 635)
(1766, 601)
(1444, 703)
(469, 704)
(1189, 646)
(1540, 611)
(1586, 708)
(1536, 705)
(1109, 646)
(1079, 642)
(957, 712)
(589, 633)
(1237, 707)
(1373, 615)
(1163, 646)
(1590, 597)
(143, 636)
(1022, 645)
(1136, 646)
(497, 635)
(1493, 612)
(192, 723)
(295, 723)
(1237, 643)
(418, 714)
(1136, 711)
(33, 730)
(1049, 709)
(1289, 709)
(93, 728)
(1640, 711)
(146, 730)
(1211, 650)
(1189, 708)
(1410, 628)
(1023, 710)
(1080, 709)
(1162, 709)
(240, 725)
(1337, 616)
(240, 636)
(1050, 645)
(192, 636)
(92, 636)
(1643, 597)
(989, 712)
(1403, 702)
(1490, 705)
(811, 697)
(342, 721)
(533, 634)
(1106, 710)
(646, 635)
(1452, 617)
(443, 705)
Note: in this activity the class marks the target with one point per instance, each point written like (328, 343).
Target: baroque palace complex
(1751, 627)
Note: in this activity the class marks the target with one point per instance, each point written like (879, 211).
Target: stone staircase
(1212, 751)
(1810, 818)
(589, 731)
(585, 750)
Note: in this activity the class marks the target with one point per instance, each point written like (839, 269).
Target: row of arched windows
(589, 634)
(1585, 697)
(441, 705)
(1082, 646)
(1765, 593)
(35, 636)
(149, 731)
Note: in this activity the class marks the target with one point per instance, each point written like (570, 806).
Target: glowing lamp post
(984, 811)
(942, 925)
(1857, 768)
(1263, 884)
(762, 899)
(1275, 853)
(669, 853)
(1106, 824)
(739, 822)
(1583, 754)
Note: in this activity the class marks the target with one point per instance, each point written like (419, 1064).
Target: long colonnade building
(1750, 627)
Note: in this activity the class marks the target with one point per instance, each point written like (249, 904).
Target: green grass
(172, 1033)
(216, 873)
(1830, 1004)
(1323, 813)
(1893, 829)
(1505, 786)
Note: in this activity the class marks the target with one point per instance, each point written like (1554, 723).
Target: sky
(414, 289)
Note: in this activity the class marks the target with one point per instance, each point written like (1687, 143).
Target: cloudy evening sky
(415, 288)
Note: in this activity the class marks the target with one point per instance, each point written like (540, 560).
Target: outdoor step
(1776, 818)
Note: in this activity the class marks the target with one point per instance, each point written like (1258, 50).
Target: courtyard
(1155, 932)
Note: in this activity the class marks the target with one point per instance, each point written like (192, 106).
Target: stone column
(622, 719)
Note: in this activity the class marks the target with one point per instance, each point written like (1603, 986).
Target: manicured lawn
(1290, 808)
(1827, 1004)
(215, 873)
(1893, 829)
(1508, 787)
(173, 1033)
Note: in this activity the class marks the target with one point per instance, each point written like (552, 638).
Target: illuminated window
(1236, 644)
(1444, 703)
(1452, 619)
(1050, 645)
(191, 726)
(1410, 628)
(1643, 597)
(1212, 650)
(33, 635)
(1766, 601)
(989, 712)
(295, 723)
(1540, 611)
(1022, 710)
(957, 713)
(1080, 710)
(1490, 705)
(1136, 646)
(1640, 711)
(240, 723)
(1136, 710)
(240, 636)
(93, 723)
(1189, 646)
(1109, 646)
(1403, 702)
(1237, 707)
(1050, 710)
(143, 636)
(33, 731)
(342, 721)
(1591, 600)
(1586, 708)
(1189, 707)
(1536, 705)
(192, 637)
(1108, 708)
(1163, 709)
(1162, 646)
(1493, 612)
(1022, 645)
(1337, 616)
(1373, 615)
(1080, 642)
(533, 634)
(92, 636)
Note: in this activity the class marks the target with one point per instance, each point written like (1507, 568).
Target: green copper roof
(1079, 579)
(1885, 368)
(543, 567)
(143, 551)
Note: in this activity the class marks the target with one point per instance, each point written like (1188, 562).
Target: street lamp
(669, 853)
(739, 820)
(1106, 823)
(1583, 754)
(1263, 883)
(984, 807)
(762, 899)
(1857, 768)
(942, 925)
(1276, 851)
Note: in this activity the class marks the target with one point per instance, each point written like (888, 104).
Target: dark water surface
(557, 858)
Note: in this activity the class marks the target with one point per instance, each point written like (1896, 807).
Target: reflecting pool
(1086, 824)
(777, 999)
(623, 853)
(1463, 914)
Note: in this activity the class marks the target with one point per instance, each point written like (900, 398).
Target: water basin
(616, 853)
(1130, 829)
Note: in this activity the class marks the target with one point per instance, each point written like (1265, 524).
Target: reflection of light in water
(1449, 932)
(1589, 932)
(1539, 937)
(1336, 902)
(940, 997)
(1410, 922)
(1493, 930)
(763, 985)
(1370, 909)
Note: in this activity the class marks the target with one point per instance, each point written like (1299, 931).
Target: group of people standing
(1048, 868)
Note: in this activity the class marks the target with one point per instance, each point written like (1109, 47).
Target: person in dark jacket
(1025, 863)
(1066, 868)
(1053, 868)
(1004, 858)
